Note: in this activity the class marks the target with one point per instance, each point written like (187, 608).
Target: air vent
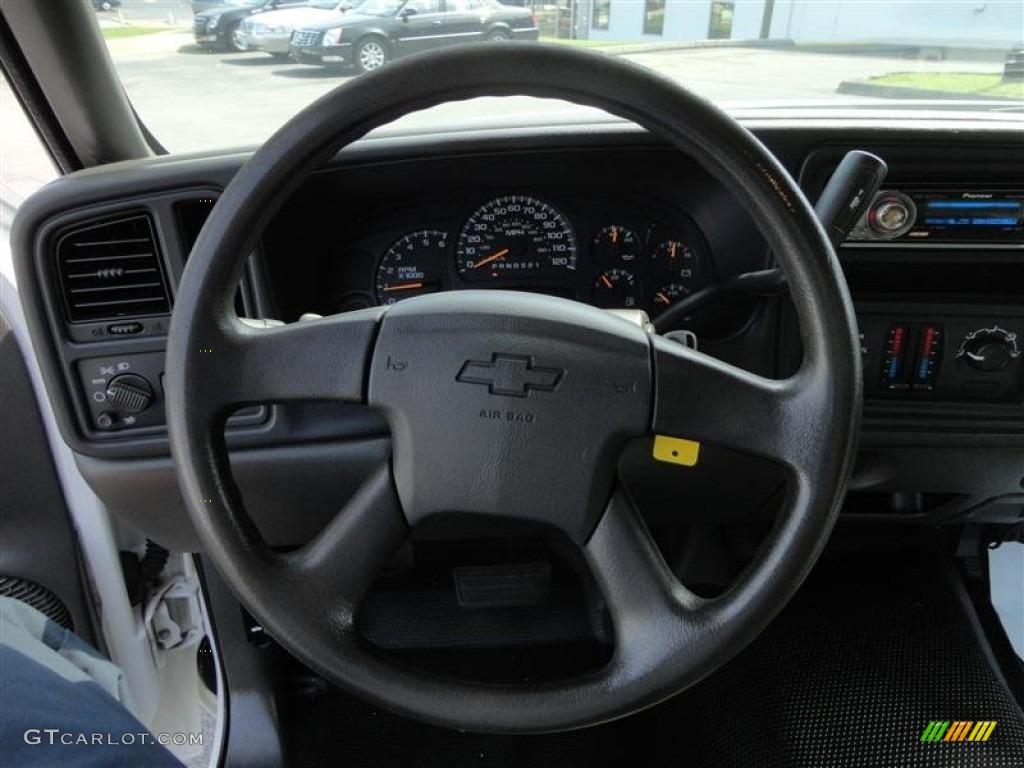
(112, 269)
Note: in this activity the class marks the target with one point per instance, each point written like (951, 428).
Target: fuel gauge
(617, 289)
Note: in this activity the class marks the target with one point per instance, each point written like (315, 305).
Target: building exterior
(994, 23)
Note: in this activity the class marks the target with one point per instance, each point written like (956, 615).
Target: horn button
(509, 404)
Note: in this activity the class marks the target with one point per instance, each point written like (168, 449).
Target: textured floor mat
(850, 675)
(866, 656)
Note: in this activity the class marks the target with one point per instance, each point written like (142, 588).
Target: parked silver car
(271, 31)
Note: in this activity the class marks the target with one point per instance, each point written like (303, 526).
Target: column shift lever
(851, 188)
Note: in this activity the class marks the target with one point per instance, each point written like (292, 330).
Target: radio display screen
(971, 213)
(968, 216)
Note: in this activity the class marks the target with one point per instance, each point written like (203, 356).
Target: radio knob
(129, 393)
(889, 216)
(989, 349)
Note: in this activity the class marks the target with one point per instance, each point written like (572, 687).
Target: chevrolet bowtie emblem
(512, 375)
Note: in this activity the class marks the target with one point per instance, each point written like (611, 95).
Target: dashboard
(602, 214)
(624, 231)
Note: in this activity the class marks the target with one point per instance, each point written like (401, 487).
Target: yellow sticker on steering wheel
(675, 450)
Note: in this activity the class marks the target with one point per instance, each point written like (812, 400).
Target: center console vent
(111, 269)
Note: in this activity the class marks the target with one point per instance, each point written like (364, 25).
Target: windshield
(208, 81)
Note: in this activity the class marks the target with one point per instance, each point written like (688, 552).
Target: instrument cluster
(520, 242)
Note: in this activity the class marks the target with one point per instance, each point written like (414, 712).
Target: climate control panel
(912, 356)
(957, 359)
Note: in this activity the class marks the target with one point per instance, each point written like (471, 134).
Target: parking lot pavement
(195, 100)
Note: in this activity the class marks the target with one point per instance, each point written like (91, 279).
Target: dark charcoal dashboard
(601, 214)
(630, 253)
(616, 231)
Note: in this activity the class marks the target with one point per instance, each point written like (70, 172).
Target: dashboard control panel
(959, 359)
(123, 392)
(911, 356)
(126, 393)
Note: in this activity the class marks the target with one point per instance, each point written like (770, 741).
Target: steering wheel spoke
(646, 601)
(704, 399)
(336, 568)
(316, 360)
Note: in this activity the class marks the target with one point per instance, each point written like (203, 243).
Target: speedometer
(516, 236)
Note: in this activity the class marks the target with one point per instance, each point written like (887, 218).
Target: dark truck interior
(916, 424)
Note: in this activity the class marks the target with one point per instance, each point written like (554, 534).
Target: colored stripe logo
(958, 730)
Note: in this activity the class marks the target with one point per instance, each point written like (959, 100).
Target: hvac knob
(990, 349)
(129, 393)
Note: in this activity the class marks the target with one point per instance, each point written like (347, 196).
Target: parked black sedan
(380, 30)
(219, 26)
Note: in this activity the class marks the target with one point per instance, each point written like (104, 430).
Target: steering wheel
(512, 405)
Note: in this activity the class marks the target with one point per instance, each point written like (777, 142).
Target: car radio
(931, 216)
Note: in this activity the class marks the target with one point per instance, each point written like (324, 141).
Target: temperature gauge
(617, 289)
(615, 245)
(410, 267)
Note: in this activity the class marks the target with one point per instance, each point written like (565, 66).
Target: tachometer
(412, 266)
(516, 236)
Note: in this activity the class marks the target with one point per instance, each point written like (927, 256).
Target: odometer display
(516, 237)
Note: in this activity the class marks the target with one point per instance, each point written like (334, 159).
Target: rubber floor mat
(872, 650)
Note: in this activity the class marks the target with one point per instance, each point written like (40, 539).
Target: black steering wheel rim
(666, 638)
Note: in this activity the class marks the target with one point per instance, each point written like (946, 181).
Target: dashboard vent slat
(111, 269)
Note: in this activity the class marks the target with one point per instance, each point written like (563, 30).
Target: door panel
(37, 543)
(421, 30)
(467, 20)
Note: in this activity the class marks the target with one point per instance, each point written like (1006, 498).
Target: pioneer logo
(977, 196)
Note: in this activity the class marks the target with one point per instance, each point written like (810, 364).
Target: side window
(463, 6)
(25, 166)
(424, 6)
(654, 17)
